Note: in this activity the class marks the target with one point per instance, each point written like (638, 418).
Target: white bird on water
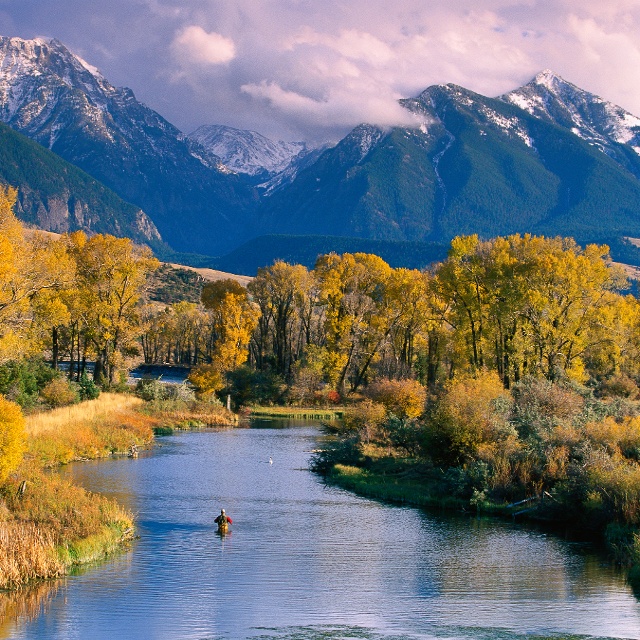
(270, 460)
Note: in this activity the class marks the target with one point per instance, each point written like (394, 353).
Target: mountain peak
(248, 152)
(600, 123)
(20, 56)
(547, 78)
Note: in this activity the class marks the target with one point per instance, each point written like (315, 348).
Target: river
(305, 560)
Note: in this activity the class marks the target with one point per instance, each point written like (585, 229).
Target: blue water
(309, 561)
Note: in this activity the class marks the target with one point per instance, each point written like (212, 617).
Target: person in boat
(223, 520)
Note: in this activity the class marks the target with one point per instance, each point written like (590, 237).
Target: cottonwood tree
(282, 292)
(233, 318)
(111, 273)
(33, 267)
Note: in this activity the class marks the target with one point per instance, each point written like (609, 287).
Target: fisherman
(223, 519)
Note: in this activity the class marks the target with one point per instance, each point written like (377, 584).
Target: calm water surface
(309, 561)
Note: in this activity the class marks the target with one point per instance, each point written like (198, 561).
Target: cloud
(194, 44)
(340, 108)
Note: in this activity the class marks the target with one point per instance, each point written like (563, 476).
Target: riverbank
(48, 526)
(406, 481)
(303, 413)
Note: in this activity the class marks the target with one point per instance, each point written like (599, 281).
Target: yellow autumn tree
(233, 319)
(111, 274)
(33, 267)
(359, 314)
(12, 437)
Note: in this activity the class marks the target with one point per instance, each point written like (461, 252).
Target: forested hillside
(54, 195)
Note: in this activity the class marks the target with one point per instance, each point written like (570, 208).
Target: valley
(454, 290)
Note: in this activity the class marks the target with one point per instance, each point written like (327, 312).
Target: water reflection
(310, 561)
(18, 608)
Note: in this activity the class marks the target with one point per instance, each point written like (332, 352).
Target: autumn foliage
(12, 437)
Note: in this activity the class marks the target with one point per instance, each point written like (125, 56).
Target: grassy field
(111, 424)
(48, 525)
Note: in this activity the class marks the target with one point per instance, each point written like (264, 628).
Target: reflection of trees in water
(25, 605)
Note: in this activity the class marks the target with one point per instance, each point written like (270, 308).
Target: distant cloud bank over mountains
(546, 158)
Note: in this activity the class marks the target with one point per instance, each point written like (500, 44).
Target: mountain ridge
(50, 95)
(547, 158)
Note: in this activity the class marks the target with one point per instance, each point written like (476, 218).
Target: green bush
(21, 381)
(255, 387)
(343, 451)
(88, 389)
(150, 389)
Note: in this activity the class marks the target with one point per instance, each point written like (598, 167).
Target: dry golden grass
(111, 424)
(85, 412)
(212, 275)
(28, 553)
(54, 525)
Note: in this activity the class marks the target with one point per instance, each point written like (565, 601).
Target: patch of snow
(509, 125)
(247, 152)
(94, 71)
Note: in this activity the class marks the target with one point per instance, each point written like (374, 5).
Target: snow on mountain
(597, 121)
(64, 103)
(45, 89)
(248, 151)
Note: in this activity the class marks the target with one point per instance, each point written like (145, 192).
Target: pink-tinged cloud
(287, 67)
(194, 44)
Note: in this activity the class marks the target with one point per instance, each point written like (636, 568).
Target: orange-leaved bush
(404, 398)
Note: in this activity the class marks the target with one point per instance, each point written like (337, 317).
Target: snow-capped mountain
(248, 152)
(56, 98)
(472, 164)
(601, 123)
(546, 158)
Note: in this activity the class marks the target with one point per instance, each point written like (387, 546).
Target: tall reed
(28, 553)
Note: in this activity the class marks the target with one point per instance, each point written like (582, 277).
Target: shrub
(150, 389)
(88, 389)
(403, 398)
(366, 419)
(206, 378)
(12, 437)
(469, 412)
(22, 381)
(60, 392)
(540, 405)
(343, 451)
(620, 386)
(182, 392)
(262, 387)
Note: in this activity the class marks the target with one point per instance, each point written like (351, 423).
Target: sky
(313, 69)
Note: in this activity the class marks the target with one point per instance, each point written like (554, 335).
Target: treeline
(520, 306)
(70, 297)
